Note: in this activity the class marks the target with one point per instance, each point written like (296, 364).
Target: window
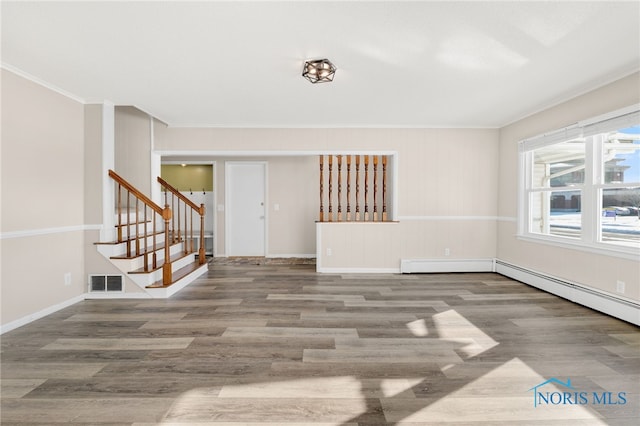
(581, 185)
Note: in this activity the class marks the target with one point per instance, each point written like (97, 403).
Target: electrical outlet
(67, 279)
(329, 252)
(447, 252)
(620, 286)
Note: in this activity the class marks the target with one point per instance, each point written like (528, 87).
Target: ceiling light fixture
(319, 71)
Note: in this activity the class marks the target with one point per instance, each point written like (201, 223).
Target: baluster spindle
(146, 250)
(375, 188)
(348, 188)
(384, 188)
(357, 188)
(137, 228)
(330, 187)
(128, 225)
(179, 229)
(339, 188)
(366, 188)
(193, 247)
(173, 219)
(154, 257)
(166, 266)
(186, 230)
(201, 252)
(321, 188)
(119, 212)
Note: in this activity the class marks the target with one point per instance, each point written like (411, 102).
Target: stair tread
(178, 275)
(131, 238)
(172, 259)
(159, 246)
(123, 225)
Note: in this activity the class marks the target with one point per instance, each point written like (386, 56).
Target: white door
(245, 208)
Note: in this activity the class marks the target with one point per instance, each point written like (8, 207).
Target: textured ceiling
(400, 64)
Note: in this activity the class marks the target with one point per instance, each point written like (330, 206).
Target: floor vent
(106, 283)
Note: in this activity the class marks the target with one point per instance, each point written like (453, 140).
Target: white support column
(108, 232)
(156, 164)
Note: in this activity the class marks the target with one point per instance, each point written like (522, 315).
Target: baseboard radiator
(413, 266)
(598, 300)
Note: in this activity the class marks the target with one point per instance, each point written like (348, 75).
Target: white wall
(599, 271)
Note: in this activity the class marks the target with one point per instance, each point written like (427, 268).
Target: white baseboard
(115, 295)
(408, 266)
(598, 300)
(107, 295)
(287, 256)
(40, 314)
(609, 304)
(357, 270)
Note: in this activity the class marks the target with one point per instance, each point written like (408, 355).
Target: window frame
(591, 190)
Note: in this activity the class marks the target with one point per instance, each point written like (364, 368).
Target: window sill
(631, 252)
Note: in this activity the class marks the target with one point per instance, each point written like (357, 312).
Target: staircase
(155, 246)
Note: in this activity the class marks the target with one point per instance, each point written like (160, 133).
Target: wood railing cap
(177, 193)
(135, 192)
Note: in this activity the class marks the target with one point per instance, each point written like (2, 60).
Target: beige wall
(94, 262)
(446, 191)
(596, 270)
(441, 173)
(291, 229)
(133, 147)
(93, 174)
(42, 197)
(366, 246)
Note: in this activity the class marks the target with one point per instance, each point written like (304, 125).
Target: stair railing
(125, 209)
(370, 188)
(182, 226)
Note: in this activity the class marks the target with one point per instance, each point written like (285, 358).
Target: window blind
(615, 120)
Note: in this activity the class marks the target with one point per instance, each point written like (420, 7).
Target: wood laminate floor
(282, 345)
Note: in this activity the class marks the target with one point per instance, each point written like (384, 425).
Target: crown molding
(42, 82)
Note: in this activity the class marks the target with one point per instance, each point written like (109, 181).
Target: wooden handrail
(135, 192)
(188, 233)
(178, 194)
(163, 213)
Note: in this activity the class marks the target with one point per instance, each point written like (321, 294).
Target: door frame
(227, 185)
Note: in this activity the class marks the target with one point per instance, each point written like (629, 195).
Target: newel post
(201, 251)
(166, 267)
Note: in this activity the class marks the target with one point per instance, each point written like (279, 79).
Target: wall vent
(106, 283)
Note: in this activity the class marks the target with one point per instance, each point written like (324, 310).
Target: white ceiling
(400, 64)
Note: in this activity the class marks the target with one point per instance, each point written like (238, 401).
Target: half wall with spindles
(353, 188)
